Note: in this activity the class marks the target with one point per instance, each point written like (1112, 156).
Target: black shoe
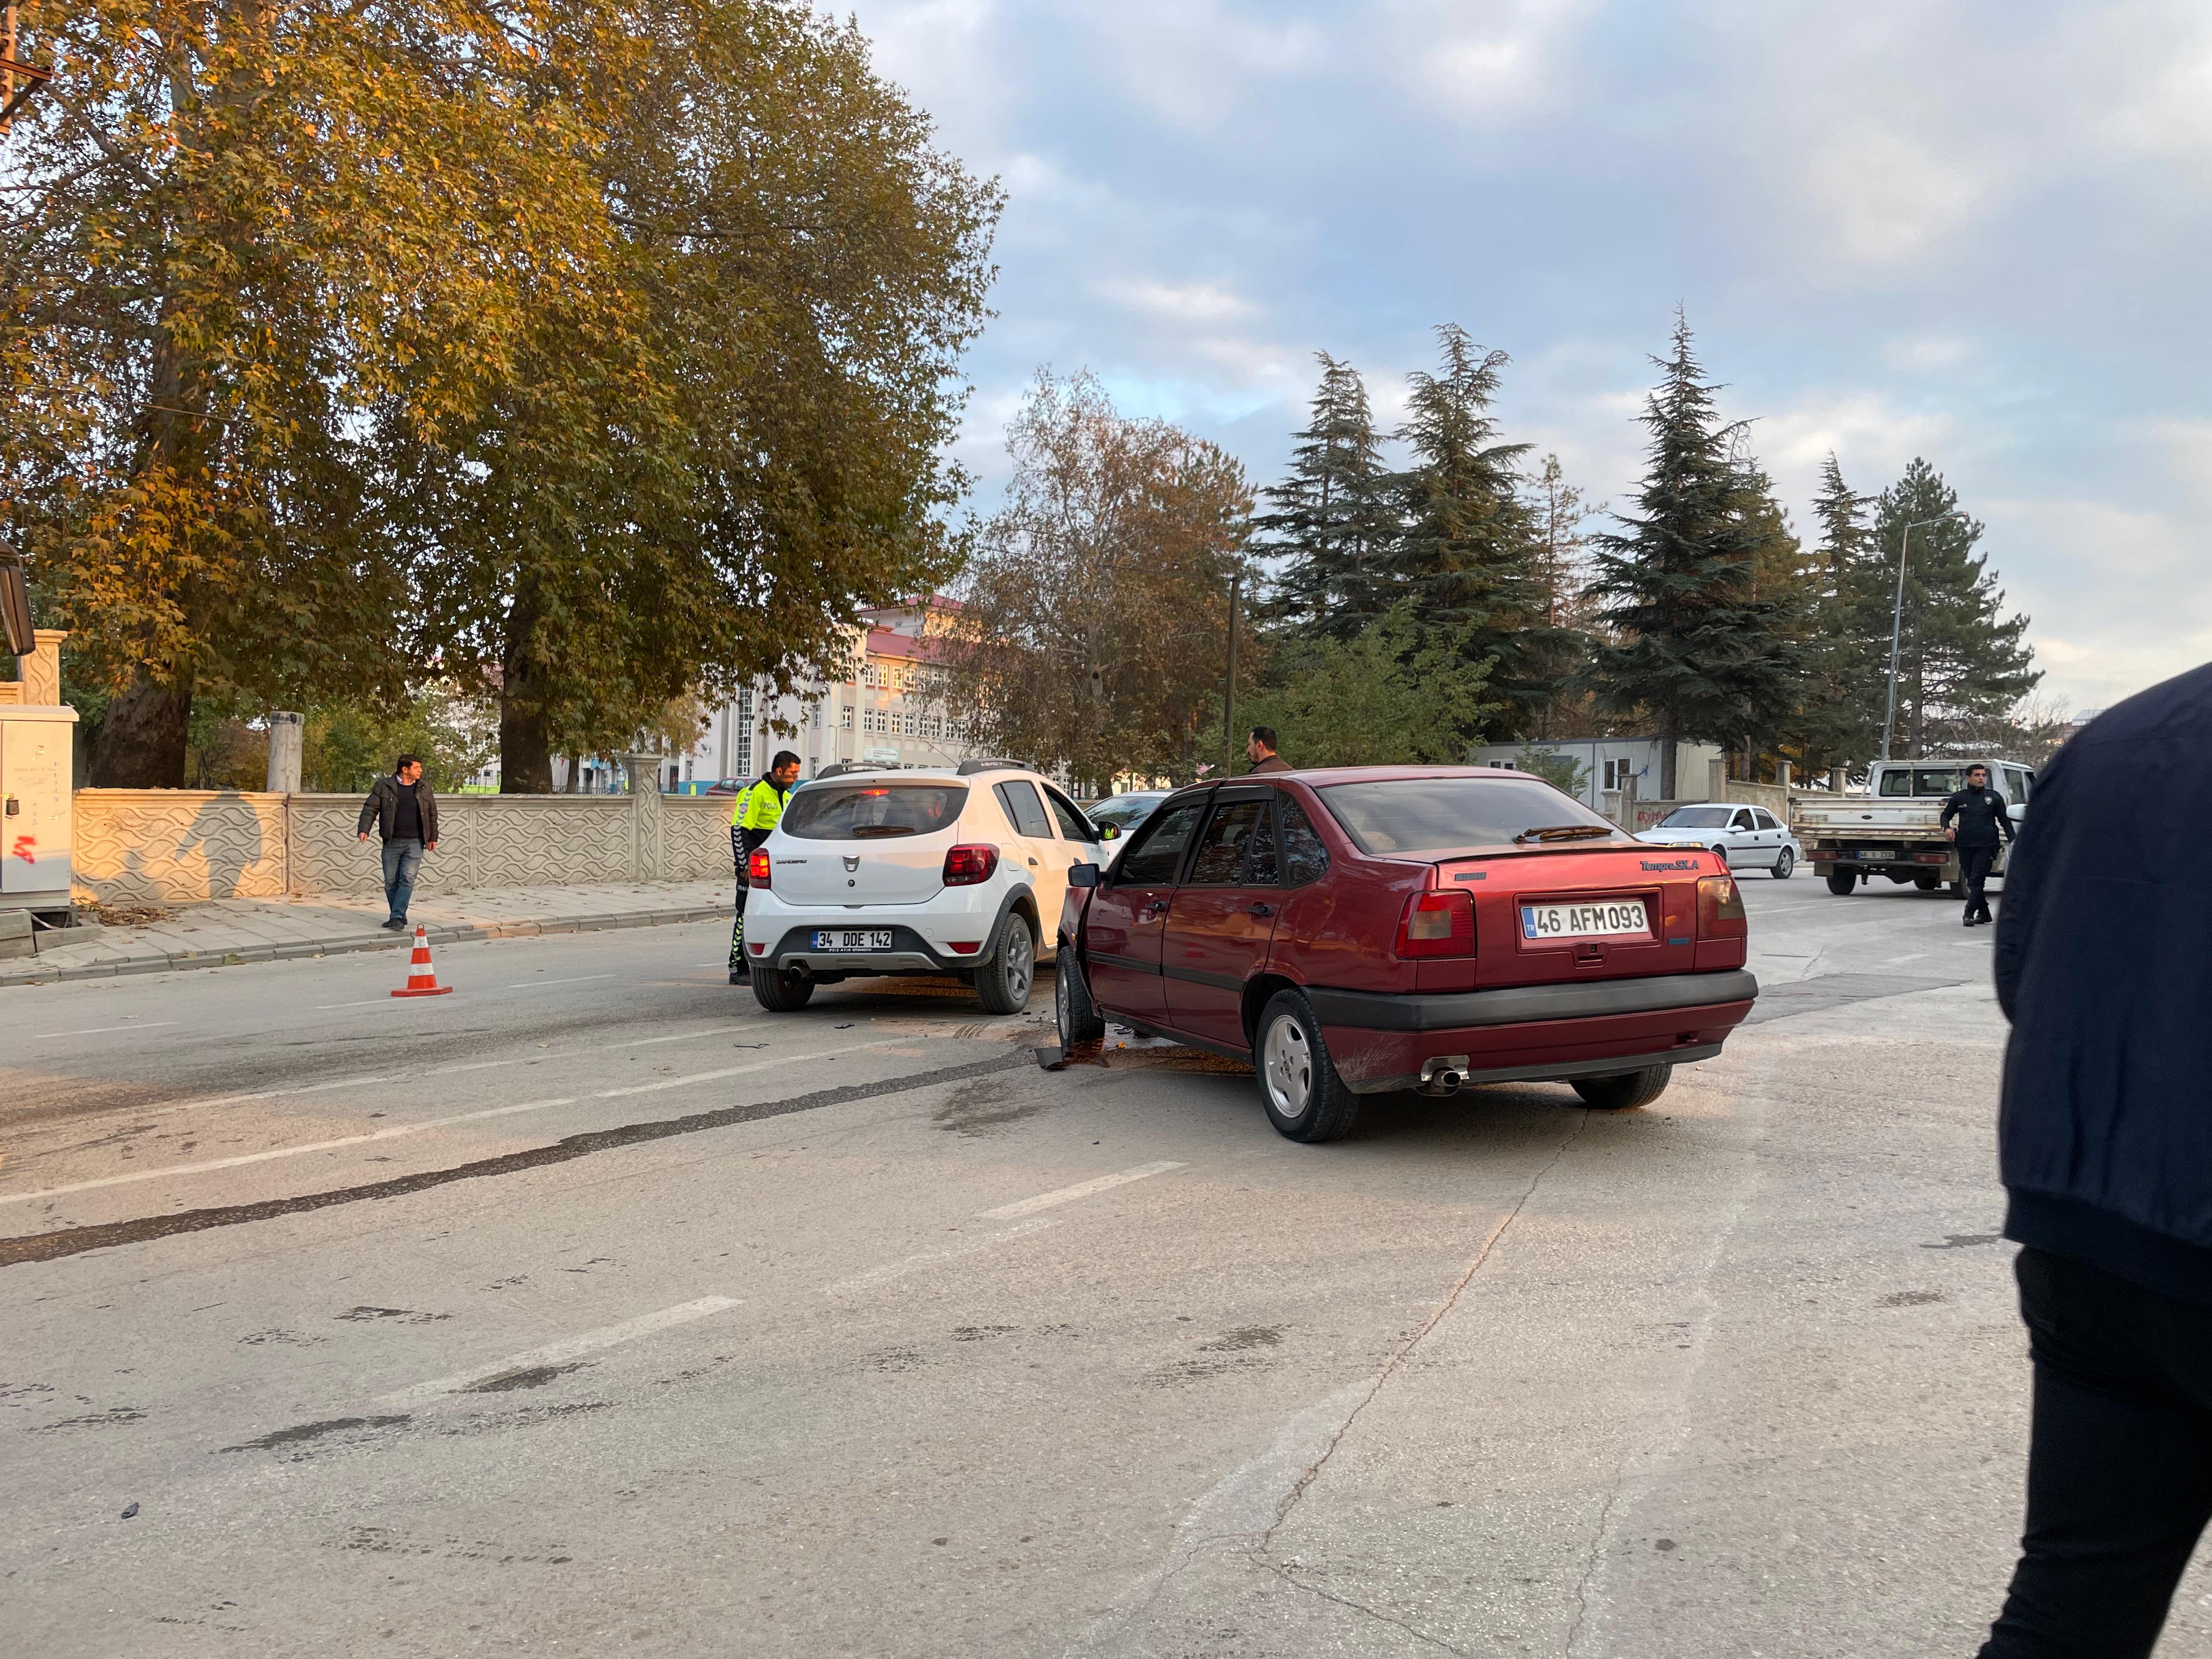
(1970, 918)
(394, 925)
(738, 976)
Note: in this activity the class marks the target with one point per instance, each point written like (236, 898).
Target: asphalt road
(589, 1309)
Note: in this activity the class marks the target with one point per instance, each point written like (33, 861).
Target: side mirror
(1082, 875)
(1110, 832)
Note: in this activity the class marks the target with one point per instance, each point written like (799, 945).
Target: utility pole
(13, 97)
(1229, 694)
(1897, 623)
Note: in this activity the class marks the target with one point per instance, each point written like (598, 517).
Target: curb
(350, 944)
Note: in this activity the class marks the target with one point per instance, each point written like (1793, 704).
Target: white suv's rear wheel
(1002, 984)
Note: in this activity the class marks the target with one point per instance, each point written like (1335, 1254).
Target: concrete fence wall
(172, 846)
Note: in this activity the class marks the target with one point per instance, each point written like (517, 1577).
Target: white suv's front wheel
(1002, 984)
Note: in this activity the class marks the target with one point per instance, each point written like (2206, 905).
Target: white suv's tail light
(966, 865)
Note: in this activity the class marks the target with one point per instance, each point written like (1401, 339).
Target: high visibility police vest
(758, 808)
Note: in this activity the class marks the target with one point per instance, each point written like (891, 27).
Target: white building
(887, 707)
(1608, 760)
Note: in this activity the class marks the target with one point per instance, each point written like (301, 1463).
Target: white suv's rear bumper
(923, 935)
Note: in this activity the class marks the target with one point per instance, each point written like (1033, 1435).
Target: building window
(1618, 771)
(845, 720)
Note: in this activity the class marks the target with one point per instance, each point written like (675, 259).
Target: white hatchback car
(957, 872)
(1746, 837)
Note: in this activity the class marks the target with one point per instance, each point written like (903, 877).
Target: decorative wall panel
(185, 846)
(178, 846)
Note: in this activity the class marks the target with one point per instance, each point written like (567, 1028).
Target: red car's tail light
(1720, 908)
(966, 865)
(756, 868)
(1437, 925)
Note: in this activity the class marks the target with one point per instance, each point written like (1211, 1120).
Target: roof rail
(990, 763)
(839, 768)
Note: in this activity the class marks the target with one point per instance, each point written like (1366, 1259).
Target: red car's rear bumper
(1381, 1042)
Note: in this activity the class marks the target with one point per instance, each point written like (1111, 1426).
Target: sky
(1974, 232)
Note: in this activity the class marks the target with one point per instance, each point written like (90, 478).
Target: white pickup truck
(1894, 829)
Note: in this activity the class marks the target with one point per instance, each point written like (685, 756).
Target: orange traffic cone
(422, 978)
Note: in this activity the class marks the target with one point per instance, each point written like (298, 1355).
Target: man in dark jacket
(1981, 815)
(405, 813)
(2105, 1139)
(1260, 750)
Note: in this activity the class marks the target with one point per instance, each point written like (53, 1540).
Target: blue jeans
(402, 859)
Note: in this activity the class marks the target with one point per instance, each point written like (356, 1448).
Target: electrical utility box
(35, 815)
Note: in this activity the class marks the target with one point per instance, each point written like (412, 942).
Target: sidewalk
(232, 931)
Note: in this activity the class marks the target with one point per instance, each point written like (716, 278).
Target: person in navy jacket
(2104, 966)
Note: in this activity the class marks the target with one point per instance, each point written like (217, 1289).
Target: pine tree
(1696, 650)
(1330, 517)
(1467, 554)
(1960, 659)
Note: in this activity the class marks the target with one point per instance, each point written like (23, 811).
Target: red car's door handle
(1157, 908)
(1261, 910)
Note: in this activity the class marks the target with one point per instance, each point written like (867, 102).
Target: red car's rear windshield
(1433, 815)
(867, 812)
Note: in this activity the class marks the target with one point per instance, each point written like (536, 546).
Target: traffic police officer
(1982, 814)
(758, 810)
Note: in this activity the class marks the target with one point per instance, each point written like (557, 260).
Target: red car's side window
(1304, 858)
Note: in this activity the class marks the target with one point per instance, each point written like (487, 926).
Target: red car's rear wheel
(1304, 1097)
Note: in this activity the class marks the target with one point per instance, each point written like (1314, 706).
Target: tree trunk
(1668, 744)
(142, 740)
(526, 744)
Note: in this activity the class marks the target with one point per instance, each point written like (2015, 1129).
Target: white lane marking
(739, 1071)
(581, 978)
(891, 1270)
(374, 1002)
(398, 1129)
(1083, 1189)
(275, 1152)
(438, 1071)
(96, 1030)
(554, 1353)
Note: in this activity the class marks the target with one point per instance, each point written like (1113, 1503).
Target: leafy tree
(1695, 650)
(585, 354)
(347, 745)
(1558, 510)
(1397, 691)
(1093, 622)
(1331, 518)
(755, 439)
(234, 234)
(1782, 580)
(1960, 658)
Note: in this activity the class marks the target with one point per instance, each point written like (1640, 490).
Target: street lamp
(1896, 620)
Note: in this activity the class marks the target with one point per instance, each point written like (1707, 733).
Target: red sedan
(1365, 930)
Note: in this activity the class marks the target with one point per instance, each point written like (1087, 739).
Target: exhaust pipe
(1443, 1074)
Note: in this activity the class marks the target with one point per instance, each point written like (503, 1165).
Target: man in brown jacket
(406, 815)
(1262, 750)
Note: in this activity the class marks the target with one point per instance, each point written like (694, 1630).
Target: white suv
(954, 873)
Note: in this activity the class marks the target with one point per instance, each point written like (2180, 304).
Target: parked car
(1747, 837)
(1359, 931)
(1117, 815)
(954, 873)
